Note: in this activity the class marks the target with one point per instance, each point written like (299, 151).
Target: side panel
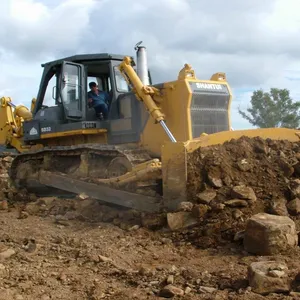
(128, 127)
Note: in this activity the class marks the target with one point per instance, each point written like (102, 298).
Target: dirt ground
(54, 256)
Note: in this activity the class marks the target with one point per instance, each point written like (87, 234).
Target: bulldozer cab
(62, 101)
(65, 84)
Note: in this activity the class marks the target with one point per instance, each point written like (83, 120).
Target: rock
(185, 206)
(239, 236)
(144, 271)
(170, 291)
(294, 206)
(170, 279)
(261, 148)
(200, 210)
(206, 196)
(179, 220)
(166, 241)
(217, 207)
(187, 290)
(134, 227)
(23, 215)
(296, 295)
(3, 205)
(7, 254)
(276, 273)
(83, 196)
(262, 283)
(286, 168)
(243, 165)
(278, 207)
(215, 181)
(104, 259)
(206, 289)
(237, 214)
(236, 203)
(48, 201)
(267, 234)
(243, 192)
(32, 208)
(29, 245)
(8, 159)
(295, 188)
(19, 297)
(153, 221)
(32, 197)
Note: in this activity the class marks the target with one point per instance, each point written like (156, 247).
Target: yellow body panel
(176, 103)
(73, 133)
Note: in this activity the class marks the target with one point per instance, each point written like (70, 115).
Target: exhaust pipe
(142, 64)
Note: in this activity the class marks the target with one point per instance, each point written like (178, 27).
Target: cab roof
(81, 58)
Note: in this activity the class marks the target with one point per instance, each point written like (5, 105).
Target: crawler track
(85, 162)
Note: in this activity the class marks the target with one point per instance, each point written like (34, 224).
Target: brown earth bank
(231, 182)
(53, 248)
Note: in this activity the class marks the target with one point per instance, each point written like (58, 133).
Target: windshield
(121, 83)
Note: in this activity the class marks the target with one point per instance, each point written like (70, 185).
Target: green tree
(273, 109)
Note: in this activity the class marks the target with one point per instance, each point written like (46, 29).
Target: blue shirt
(101, 98)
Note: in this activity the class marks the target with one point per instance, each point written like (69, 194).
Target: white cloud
(256, 43)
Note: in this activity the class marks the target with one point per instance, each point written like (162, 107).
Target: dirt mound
(233, 181)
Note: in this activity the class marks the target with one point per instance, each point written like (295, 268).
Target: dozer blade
(100, 192)
(175, 156)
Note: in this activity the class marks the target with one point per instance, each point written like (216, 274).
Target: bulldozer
(137, 157)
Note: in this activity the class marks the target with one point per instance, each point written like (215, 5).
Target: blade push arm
(11, 123)
(144, 93)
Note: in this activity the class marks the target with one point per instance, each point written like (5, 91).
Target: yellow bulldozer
(137, 156)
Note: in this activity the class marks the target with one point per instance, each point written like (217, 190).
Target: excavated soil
(231, 182)
(56, 248)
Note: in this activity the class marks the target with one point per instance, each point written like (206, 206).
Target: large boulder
(267, 277)
(267, 234)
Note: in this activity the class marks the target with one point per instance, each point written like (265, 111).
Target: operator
(98, 100)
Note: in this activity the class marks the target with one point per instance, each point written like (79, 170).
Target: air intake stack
(142, 64)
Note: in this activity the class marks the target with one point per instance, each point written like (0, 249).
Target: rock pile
(229, 183)
(5, 188)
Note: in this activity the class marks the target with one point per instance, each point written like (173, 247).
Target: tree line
(272, 109)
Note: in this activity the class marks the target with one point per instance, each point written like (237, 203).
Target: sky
(256, 43)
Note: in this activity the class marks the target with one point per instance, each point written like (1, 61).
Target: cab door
(73, 91)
